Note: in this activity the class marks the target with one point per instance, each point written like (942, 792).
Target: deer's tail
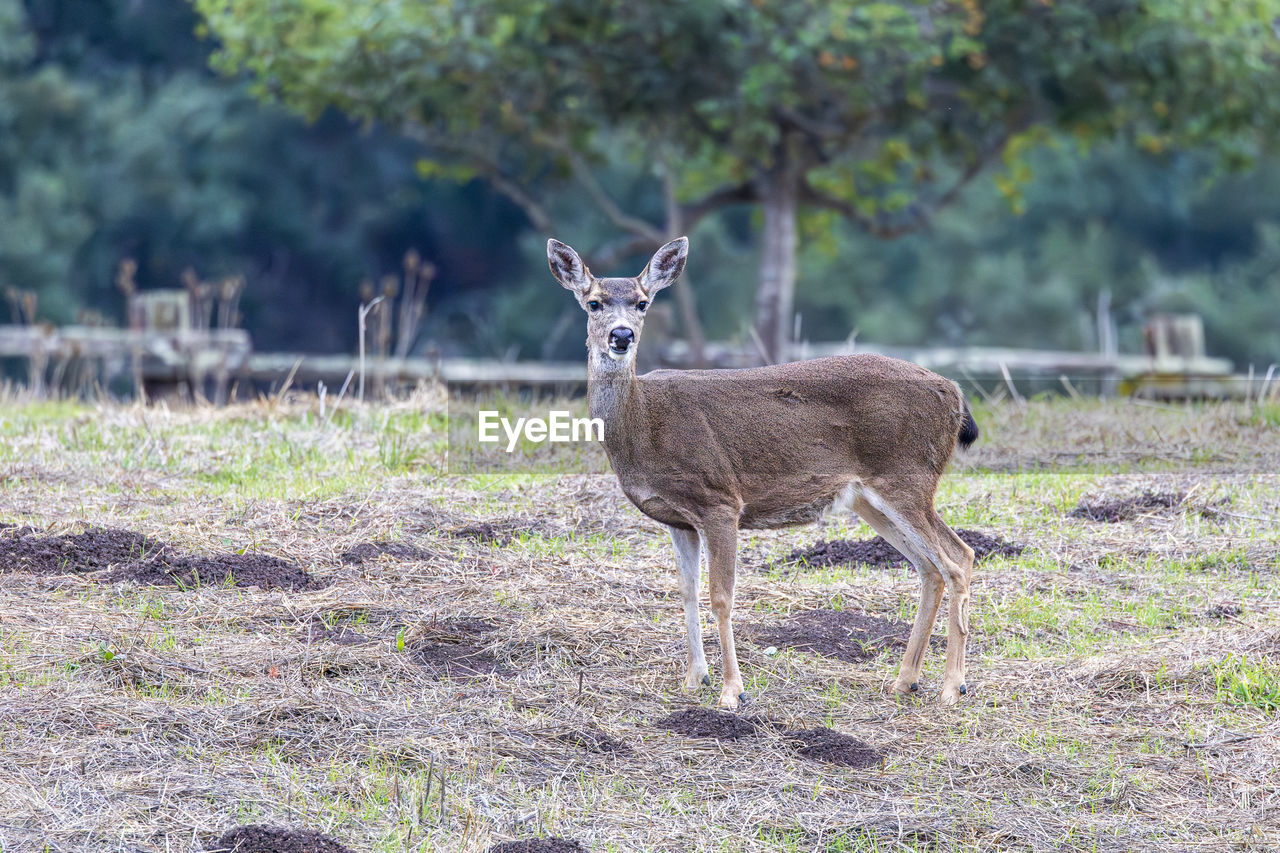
(969, 427)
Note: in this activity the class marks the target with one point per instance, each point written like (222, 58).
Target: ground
(282, 628)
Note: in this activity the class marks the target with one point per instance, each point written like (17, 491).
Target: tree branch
(745, 193)
(611, 254)
(583, 174)
(690, 214)
(539, 217)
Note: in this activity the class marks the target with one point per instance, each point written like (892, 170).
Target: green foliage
(876, 100)
(116, 141)
(1251, 683)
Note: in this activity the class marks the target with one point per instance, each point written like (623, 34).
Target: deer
(708, 453)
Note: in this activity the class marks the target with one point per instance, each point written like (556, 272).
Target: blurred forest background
(118, 140)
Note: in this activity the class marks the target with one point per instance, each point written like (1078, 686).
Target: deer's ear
(567, 267)
(665, 266)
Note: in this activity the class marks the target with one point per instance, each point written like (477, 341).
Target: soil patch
(704, 722)
(486, 533)
(97, 548)
(134, 557)
(593, 740)
(369, 551)
(878, 552)
(1147, 503)
(1225, 610)
(189, 570)
(819, 744)
(339, 635)
(823, 744)
(538, 845)
(843, 634)
(449, 649)
(274, 839)
(504, 531)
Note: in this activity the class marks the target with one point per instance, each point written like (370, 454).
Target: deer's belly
(765, 518)
(767, 515)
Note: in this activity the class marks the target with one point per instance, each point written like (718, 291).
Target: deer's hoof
(964, 688)
(949, 695)
(905, 688)
(693, 679)
(731, 699)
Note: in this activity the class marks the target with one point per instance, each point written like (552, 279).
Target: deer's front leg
(722, 563)
(689, 563)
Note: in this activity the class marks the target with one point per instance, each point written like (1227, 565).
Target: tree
(881, 112)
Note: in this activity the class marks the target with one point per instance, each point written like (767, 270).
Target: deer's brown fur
(709, 452)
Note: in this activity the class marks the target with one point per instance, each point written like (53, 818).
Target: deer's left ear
(665, 266)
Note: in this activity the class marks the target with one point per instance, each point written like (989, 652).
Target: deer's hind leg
(689, 562)
(959, 557)
(911, 527)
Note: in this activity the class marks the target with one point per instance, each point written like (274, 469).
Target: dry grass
(1123, 676)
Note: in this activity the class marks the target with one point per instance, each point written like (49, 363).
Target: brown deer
(710, 452)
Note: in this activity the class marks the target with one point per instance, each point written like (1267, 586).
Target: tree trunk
(689, 320)
(776, 293)
(691, 326)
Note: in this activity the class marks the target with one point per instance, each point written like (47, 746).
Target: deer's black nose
(621, 338)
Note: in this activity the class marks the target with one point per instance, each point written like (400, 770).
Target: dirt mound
(842, 634)
(878, 552)
(592, 740)
(823, 744)
(985, 545)
(449, 649)
(1127, 509)
(818, 744)
(339, 635)
(369, 551)
(189, 570)
(22, 550)
(487, 533)
(538, 845)
(134, 557)
(255, 838)
(704, 722)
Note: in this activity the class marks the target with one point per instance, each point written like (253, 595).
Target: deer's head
(615, 306)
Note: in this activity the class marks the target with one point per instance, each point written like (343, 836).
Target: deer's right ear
(567, 267)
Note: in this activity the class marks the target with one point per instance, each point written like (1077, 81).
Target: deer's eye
(594, 305)
(642, 304)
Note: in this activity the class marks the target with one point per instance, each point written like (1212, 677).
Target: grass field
(484, 658)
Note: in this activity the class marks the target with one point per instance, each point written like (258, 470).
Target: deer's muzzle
(621, 339)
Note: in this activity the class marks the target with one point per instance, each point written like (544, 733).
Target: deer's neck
(614, 396)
